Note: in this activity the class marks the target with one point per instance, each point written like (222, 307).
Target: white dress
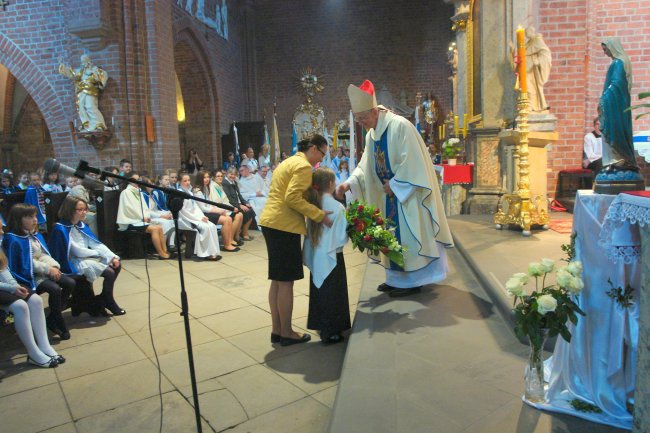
(249, 187)
(90, 257)
(133, 210)
(321, 260)
(167, 224)
(207, 239)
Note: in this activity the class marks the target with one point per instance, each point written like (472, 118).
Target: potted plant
(451, 150)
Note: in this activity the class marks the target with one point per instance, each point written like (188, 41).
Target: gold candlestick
(521, 212)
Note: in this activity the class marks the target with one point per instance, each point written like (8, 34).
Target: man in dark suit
(235, 198)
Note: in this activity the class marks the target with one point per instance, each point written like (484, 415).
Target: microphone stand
(176, 198)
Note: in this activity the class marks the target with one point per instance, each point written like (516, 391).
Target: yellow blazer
(286, 206)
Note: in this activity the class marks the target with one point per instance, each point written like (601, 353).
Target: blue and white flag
(353, 150)
(417, 119)
(276, 141)
(267, 140)
(237, 159)
(294, 139)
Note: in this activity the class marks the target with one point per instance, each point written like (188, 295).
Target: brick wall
(573, 31)
(210, 70)
(399, 43)
(34, 144)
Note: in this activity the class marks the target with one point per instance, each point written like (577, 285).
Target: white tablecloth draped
(598, 366)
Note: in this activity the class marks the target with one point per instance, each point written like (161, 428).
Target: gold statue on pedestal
(89, 81)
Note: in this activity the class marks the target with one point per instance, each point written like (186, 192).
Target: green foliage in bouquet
(548, 307)
(368, 230)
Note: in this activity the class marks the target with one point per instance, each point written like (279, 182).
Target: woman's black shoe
(286, 341)
(275, 338)
(115, 309)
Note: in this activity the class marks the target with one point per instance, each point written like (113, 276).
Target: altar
(594, 376)
(455, 180)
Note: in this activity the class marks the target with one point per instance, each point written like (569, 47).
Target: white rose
(522, 276)
(535, 269)
(576, 286)
(548, 265)
(564, 278)
(546, 304)
(515, 287)
(575, 268)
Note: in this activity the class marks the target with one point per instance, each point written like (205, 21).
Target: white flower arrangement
(549, 307)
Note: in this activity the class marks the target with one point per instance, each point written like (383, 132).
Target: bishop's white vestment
(395, 152)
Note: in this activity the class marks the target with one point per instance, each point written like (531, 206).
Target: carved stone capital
(93, 32)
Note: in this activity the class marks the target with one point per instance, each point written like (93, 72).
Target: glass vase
(534, 379)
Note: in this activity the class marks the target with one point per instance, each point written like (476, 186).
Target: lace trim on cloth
(619, 214)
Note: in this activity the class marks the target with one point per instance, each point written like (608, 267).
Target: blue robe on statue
(19, 254)
(616, 123)
(31, 197)
(60, 244)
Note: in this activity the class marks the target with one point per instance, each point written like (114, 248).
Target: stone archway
(200, 127)
(40, 88)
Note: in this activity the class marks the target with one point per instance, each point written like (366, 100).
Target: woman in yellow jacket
(283, 222)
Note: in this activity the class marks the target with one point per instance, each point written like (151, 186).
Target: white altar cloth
(598, 366)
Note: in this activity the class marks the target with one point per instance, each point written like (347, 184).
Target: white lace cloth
(619, 235)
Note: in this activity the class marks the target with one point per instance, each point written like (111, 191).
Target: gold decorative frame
(473, 117)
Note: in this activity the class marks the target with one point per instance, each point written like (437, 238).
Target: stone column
(163, 152)
(641, 396)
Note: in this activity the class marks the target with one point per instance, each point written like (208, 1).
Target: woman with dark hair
(207, 238)
(29, 318)
(79, 251)
(217, 215)
(32, 265)
(218, 195)
(193, 163)
(283, 223)
(229, 162)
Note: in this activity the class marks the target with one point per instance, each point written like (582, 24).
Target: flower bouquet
(451, 148)
(367, 229)
(544, 313)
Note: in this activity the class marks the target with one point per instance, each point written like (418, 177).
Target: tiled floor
(443, 361)
(110, 382)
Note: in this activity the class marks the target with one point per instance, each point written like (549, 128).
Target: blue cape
(31, 197)
(160, 198)
(19, 253)
(60, 243)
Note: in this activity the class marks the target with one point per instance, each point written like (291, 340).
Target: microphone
(52, 165)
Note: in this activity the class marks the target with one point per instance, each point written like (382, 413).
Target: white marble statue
(89, 81)
(538, 68)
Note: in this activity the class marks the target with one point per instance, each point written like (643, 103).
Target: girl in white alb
(329, 311)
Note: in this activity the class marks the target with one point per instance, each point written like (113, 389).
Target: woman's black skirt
(285, 255)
